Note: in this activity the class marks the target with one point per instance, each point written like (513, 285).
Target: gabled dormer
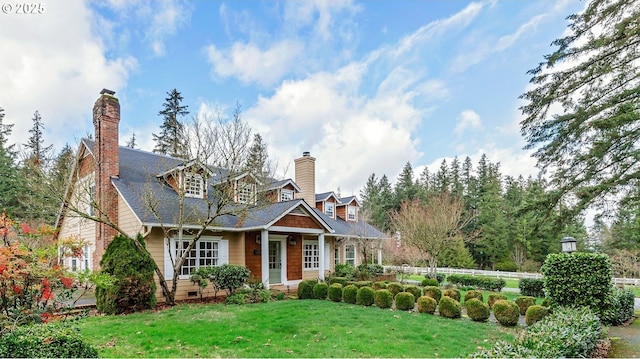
(348, 208)
(282, 191)
(245, 188)
(191, 178)
(327, 203)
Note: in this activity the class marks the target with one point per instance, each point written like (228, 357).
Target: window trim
(348, 259)
(355, 213)
(333, 209)
(243, 185)
(287, 192)
(171, 248)
(314, 264)
(187, 177)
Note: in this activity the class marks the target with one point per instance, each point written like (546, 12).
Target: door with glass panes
(275, 262)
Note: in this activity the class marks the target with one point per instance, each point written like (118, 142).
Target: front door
(275, 262)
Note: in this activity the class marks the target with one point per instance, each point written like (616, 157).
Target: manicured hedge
(480, 282)
(56, 340)
(473, 294)
(476, 310)
(413, 289)
(364, 296)
(619, 307)
(433, 292)
(305, 289)
(494, 297)
(349, 294)
(429, 282)
(533, 287)
(335, 292)
(506, 312)
(383, 298)
(341, 280)
(379, 285)
(427, 304)
(395, 287)
(449, 308)
(452, 293)
(320, 290)
(405, 301)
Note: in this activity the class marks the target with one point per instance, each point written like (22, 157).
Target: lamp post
(568, 245)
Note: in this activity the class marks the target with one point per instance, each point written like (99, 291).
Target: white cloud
(55, 66)
(467, 119)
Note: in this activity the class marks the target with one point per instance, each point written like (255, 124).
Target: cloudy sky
(364, 86)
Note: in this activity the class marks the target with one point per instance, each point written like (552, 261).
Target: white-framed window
(329, 209)
(91, 199)
(311, 255)
(336, 254)
(286, 195)
(350, 254)
(246, 192)
(208, 251)
(193, 185)
(351, 213)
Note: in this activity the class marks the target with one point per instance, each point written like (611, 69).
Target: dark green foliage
(546, 302)
(438, 277)
(535, 313)
(305, 289)
(379, 285)
(383, 298)
(335, 292)
(533, 287)
(363, 283)
(230, 277)
(427, 304)
(524, 302)
(487, 283)
(566, 333)
(433, 292)
(236, 298)
(341, 280)
(473, 294)
(476, 310)
(449, 308)
(133, 268)
(578, 279)
(345, 270)
(320, 290)
(395, 287)
(364, 296)
(367, 271)
(349, 294)
(506, 312)
(56, 340)
(506, 266)
(413, 289)
(493, 297)
(452, 293)
(405, 301)
(172, 139)
(620, 306)
(429, 282)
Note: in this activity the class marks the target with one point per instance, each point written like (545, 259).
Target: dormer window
(193, 185)
(286, 195)
(351, 213)
(329, 209)
(246, 192)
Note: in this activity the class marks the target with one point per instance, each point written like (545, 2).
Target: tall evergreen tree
(405, 189)
(442, 180)
(172, 138)
(11, 182)
(37, 152)
(131, 142)
(258, 157)
(456, 182)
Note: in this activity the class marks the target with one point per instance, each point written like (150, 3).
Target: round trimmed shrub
(427, 304)
(363, 283)
(429, 282)
(433, 292)
(506, 312)
(379, 285)
(305, 289)
(383, 298)
(320, 290)
(364, 296)
(405, 301)
(341, 280)
(335, 292)
(449, 308)
(395, 288)
(535, 313)
(474, 294)
(494, 297)
(452, 293)
(54, 340)
(477, 310)
(349, 294)
(524, 302)
(413, 289)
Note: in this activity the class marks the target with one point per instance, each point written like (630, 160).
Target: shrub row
(533, 287)
(487, 283)
(55, 340)
(567, 333)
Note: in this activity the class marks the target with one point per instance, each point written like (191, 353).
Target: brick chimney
(106, 117)
(306, 178)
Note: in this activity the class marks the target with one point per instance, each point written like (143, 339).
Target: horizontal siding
(127, 220)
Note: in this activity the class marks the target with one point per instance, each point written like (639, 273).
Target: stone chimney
(306, 178)
(106, 117)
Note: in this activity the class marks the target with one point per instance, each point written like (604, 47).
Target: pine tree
(258, 158)
(11, 182)
(37, 152)
(442, 180)
(405, 189)
(172, 139)
(131, 142)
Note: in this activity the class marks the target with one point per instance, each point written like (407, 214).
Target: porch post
(264, 256)
(380, 252)
(321, 255)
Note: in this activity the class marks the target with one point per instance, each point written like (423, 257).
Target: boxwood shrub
(413, 289)
(379, 285)
(341, 280)
(494, 297)
(305, 289)
(349, 294)
(427, 304)
(405, 301)
(477, 310)
(395, 287)
(452, 293)
(474, 294)
(438, 277)
(383, 298)
(524, 302)
(363, 283)
(55, 340)
(320, 290)
(335, 292)
(428, 282)
(364, 296)
(488, 283)
(433, 292)
(535, 313)
(506, 312)
(533, 287)
(449, 308)
(619, 307)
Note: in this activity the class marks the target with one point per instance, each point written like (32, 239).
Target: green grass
(635, 289)
(291, 328)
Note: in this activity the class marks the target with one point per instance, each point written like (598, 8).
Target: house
(294, 234)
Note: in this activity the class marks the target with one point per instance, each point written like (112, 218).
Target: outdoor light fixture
(258, 241)
(568, 244)
(292, 240)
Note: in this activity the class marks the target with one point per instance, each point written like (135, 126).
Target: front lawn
(291, 328)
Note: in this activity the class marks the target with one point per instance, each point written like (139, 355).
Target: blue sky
(364, 86)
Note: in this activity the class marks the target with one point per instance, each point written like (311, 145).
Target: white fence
(491, 273)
